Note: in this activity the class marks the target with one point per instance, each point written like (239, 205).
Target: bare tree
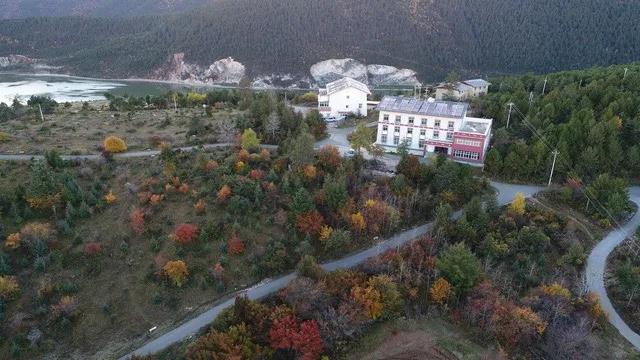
(273, 124)
(226, 131)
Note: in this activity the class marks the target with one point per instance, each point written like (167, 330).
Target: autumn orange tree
(176, 271)
(114, 144)
(440, 291)
(310, 223)
(137, 222)
(224, 193)
(184, 234)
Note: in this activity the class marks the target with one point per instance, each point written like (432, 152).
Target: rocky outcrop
(375, 75)
(334, 69)
(380, 75)
(16, 60)
(223, 71)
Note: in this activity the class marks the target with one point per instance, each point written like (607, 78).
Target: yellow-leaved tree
(176, 271)
(114, 144)
(518, 205)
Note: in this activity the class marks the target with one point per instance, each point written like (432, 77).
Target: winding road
(506, 193)
(596, 267)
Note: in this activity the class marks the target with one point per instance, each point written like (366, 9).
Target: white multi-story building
(463, 90)
(343, 97)
(430, 126)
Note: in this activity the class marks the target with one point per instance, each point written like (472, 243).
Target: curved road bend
(192, 327)
(596, 267)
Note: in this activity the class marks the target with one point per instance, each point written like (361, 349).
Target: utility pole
(41, 114)
(544, 88)
(509, 116)
(625, 73)
(530, 98)
(553, 167)
(175, 104)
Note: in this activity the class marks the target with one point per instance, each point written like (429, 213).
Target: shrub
(235, 245)
(110, 198)
(176, 271)
(4, 137)
(65, 308)
(200, 207)
(137, 222)
(225, 193)
(310, 223)
(114, 144)
(309, 267)
(185, 233)
(9, 287)
(12, 241)
(92, 248)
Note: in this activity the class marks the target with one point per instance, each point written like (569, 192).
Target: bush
(9, 287)
(114, 144)
(176, 271)
(185, 233)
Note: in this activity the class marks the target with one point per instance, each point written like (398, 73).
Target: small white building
(343, 97)
(430, 126)
(463, 90)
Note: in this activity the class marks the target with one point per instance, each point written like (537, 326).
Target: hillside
(18, 9)
(288, 36)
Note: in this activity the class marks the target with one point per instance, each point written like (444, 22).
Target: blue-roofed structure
(408, 105)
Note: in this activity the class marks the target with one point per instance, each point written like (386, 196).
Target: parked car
(334, 119)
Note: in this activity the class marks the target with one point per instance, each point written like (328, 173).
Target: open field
(75, 131)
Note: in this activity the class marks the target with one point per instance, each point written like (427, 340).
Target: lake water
(72, 89)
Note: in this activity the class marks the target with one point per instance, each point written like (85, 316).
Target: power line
(585, 190)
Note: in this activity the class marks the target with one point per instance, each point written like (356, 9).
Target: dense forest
(288, 36)
(591, 117)
(18, 9)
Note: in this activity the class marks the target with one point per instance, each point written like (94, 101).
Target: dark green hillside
(288, 36)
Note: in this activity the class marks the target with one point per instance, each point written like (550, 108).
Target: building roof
(344, 83)
(476, 125)
(477, 83)
(423, 107)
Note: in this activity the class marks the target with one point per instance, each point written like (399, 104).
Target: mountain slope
(18, 9)
(288, 36)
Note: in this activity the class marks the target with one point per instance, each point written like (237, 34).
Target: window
(359, 106)
(411, 120)
(396, 129)
(348, 97)
(469, 142)
(383, 138)
(436, 134)
(398, 118)
(385, 117)
(396, 140)
(436, 124)
(385, 127)
(346, 106)
(451, 123)
(421, 143)
(423, 122)
(410, 131)
(449, 136)
(466, 155)
(423, 132)
(324, 104)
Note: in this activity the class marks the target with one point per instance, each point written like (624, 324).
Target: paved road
(596, 265)
(192, 327)
(127, 155)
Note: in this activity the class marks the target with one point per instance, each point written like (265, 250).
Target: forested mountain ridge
(19, 9)
(288, 36)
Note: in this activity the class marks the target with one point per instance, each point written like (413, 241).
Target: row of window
(323, 104)
(423, 121)
(469, 142)
(466, 155)
(407, 140)
(436, 133)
